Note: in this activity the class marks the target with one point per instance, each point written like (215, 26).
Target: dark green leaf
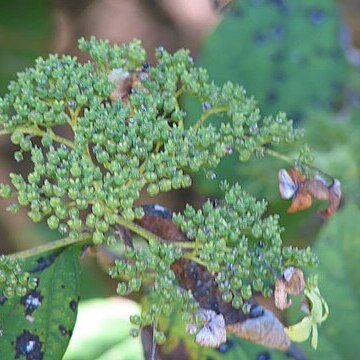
(39, 325)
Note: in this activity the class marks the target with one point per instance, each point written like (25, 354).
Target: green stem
(50, 246)
(185, 244)
(191, 257)
(41, 133)
(137, 229)
(206, 114)
(292, 161)
(279, 156)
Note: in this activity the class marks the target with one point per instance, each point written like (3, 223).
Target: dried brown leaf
(265, 330)
(290, 283)
(280, 295)
(334, 199)
(301, 201)
(212, 333)
(294, 280)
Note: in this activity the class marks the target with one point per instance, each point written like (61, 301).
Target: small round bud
(134, 332)
(159, 337)
(53, 222)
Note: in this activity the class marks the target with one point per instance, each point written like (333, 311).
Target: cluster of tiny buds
(126, 131)
(14, 281)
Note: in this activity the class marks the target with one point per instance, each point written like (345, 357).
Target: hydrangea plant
(97, 134)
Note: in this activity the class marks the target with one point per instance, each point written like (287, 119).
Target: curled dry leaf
(280, 295)
(212, 333)
(294, 280)
(334, 199)
(290, 283)
(125, 82)
(287, 186)
(293, 184)
(265, 330)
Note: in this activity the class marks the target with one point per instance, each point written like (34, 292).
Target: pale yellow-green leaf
(314, 337)
(300, 331)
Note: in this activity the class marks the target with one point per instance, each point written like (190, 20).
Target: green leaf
(39, 325)
(286, 53)
(339, 282)
(102, 331)
(25, 34)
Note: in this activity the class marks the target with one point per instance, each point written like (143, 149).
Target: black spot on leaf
(259, 38)
(277, 57)
(236, 11)
(3, 300)
(263, 356)
(297, 116)
(277, 32)
(28, 345)
(280, 4)
(64, 331)
(32, 300)
(44, 262)
(73, 305)
(271, 96)
(317, 16)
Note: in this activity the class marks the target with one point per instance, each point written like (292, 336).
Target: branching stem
(279, 156)
(50, 246)
(38, 132)
(207, 113)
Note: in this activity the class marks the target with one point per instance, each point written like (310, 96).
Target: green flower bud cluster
(14, 281)
(115, 148)
(240, 245)
(153, 267)
(94, 149)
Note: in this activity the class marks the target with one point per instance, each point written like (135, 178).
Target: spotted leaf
(39, 324)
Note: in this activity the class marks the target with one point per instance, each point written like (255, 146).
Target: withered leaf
(292, 184)
(287, 186)
(290, 283)
(334, 199)
(301, 201)
(280, 295)
(265, 330)
(294, 280)
(212, 333)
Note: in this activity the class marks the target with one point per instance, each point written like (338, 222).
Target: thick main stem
(50, 246)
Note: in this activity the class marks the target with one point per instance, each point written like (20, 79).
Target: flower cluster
(98, 133)
(96, 155)
(241, 246)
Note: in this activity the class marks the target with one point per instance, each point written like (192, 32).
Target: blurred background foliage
(298, 57)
